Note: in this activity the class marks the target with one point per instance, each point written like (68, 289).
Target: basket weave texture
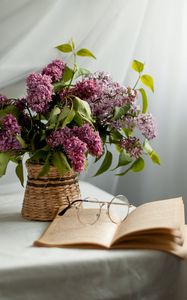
(44, 195)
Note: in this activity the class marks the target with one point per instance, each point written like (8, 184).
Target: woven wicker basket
(44, 195)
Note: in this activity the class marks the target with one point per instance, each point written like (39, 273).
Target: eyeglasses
(117, 209)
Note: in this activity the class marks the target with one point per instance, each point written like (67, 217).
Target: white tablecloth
(28, 273)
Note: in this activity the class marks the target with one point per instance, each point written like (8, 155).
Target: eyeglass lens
(118, 208)
(89, 216)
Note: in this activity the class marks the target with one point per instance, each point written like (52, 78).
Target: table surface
(32, 273)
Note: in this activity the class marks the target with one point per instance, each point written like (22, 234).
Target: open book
(155, 225)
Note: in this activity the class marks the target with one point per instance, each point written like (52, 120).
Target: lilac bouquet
(69, 113)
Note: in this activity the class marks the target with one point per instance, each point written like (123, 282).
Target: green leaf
(64, 118)
(83, 108)
(58, 86)
(45, 168)
(137, 66)
(152, 153)
(54, 113)
(137, 166)
(115, 136)
(19, 172)
(124, 159)
(64, 112)
(148, 81)
(103, 136)
(154, 157)
(105, 164)
(120, 111)
(99, 157)
(78, 119)
(144, 100)
(64, 48)
(10, 109)
(82, 72)
(118, 148)
(147, 147)
(39, 155)
(69, 118)
(127, 131)
(85, 52)
(4, 160)
(60, 161)
(68, 74)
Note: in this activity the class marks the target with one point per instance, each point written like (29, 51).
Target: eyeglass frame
(108, 203)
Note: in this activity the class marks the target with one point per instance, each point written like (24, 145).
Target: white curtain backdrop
(116, 32)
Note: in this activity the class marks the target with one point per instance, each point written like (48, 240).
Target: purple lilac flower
(132, 94)
(76, 142)
(8, 142)
(128, 121)
(39, 89)
(147, 125)
(90, 137)
(72, 146)
(75, 150)
(8, 133)
(103, 94)
(86, 89)
(55, 70)
(58, 137)
(10, 124)
(132, 146)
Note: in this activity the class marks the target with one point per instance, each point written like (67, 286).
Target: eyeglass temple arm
(62, 212)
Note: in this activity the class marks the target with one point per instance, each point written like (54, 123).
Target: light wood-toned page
(67, 230)
(165, 214)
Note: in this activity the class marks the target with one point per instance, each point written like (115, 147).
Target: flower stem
(137, 81)
(30, 115)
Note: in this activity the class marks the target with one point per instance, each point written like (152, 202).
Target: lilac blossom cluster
(86, 89)
(10, 129)
(103, 94)
(90, 137)
(132, 146)
(147, 125)
(75, 150)
(39, 90)
(55, 70)
(76, 142)
(127, 121)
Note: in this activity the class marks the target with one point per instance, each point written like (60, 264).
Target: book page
(150, 238)
(67, 230)
(164, 214)
(154, 244)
